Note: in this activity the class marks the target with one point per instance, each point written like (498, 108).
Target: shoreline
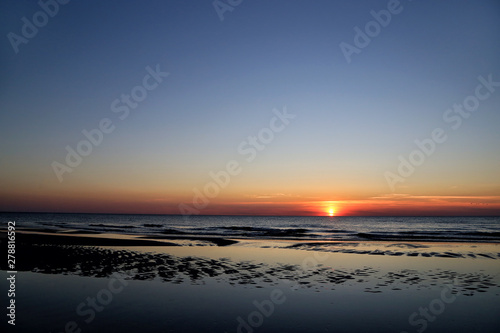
(334, 284)
(102, 253)
(487, 250)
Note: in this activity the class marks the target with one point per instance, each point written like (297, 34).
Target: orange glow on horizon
(326, 208)
(158, 203)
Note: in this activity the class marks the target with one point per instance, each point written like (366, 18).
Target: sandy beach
(74, 281)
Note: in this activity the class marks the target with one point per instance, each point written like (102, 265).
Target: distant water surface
(465, 229)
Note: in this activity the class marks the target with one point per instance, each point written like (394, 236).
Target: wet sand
(240, 272)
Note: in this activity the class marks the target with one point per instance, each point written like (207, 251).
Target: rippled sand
(310, 275)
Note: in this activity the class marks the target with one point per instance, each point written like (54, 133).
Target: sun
(329, 208)
(331, 212)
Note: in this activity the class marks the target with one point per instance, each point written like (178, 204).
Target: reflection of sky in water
(205, 289)
(50, 301)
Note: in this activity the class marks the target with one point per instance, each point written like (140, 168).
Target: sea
(336, 228)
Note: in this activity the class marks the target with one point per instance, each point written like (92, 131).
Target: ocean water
(465, 229)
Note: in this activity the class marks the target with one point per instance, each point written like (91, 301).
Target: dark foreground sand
(90, 282)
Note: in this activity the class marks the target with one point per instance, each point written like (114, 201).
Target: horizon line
(246, 215)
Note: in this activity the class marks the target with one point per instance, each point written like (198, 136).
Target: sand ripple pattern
(100, 262)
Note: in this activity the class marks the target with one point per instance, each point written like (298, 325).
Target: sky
(255, 107)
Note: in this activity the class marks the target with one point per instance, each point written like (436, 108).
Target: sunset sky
(260, 113)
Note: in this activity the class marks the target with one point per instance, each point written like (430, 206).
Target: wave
(298, 232)
(174, 232)
(470, 229)
(339, 231)
(432, 236)
(113, 226)
(268, 232)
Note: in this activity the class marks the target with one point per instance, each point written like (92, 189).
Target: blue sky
(226, 77)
